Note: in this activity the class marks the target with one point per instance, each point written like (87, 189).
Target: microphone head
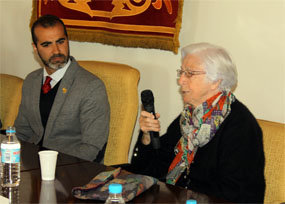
(147, 97)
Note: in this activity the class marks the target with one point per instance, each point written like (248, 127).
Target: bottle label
(10, 153)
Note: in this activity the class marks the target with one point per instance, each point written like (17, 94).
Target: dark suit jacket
(78, 123)
(230, 166)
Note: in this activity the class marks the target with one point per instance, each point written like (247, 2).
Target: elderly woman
(215, 145)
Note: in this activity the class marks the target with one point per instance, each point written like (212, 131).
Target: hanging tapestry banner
(128, 23)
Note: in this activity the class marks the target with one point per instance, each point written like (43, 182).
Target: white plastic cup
(48, 164)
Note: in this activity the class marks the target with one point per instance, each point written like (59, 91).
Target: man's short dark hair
(46, 21)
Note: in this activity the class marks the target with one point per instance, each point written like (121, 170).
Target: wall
(253, 31)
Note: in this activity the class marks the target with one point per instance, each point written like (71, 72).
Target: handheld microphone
(148, 104)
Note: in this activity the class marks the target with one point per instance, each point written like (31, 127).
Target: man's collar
(58, 74)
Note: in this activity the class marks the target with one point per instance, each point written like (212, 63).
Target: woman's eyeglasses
(188, 73)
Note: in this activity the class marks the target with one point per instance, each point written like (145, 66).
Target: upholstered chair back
(121, 82)
(10, 98)
(274, 148)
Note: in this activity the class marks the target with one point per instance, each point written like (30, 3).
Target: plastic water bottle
(115, 194)
(190, 201)
(10, 152)
(13, 194)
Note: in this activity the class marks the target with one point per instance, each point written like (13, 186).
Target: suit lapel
(35, 102)
(62, 93)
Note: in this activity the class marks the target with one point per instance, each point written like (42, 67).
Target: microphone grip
(154, 139)
(154, 136)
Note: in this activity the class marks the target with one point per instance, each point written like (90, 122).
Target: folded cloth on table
(97, 188)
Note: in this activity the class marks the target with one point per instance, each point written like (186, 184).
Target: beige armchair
(274, 148)
(121, 82)
(10, 98)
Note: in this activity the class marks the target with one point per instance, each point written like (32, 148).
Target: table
(72, 172)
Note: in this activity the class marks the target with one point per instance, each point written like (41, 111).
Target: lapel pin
(64, 90)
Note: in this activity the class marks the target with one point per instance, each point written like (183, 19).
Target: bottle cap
(10, 129)
(191, 202)
(115, 188)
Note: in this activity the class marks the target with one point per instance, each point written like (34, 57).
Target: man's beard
(57, 64)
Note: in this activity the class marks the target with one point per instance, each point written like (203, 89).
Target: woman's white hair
(217, 63)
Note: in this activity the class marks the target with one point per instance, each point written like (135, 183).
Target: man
(69, 111)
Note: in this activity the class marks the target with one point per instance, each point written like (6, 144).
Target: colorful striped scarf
(198, 126)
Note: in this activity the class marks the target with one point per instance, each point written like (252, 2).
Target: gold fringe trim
(124, 40)
(34, 13)
(178, 26)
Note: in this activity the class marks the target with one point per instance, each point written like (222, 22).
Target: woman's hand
(148, 123)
